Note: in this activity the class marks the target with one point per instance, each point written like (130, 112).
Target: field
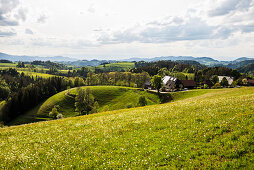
(117, 66)
(214, 130)
(3, 65)
(34, 74)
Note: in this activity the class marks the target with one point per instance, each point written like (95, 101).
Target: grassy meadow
(209, 131)
(118, 66)
(34, 74)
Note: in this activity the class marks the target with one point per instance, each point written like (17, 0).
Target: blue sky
(117, 29)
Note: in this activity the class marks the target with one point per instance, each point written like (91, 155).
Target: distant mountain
(243, 63)
(72, 61)
(202, 60)
(243, 59)
(249, 69)
(4, 56)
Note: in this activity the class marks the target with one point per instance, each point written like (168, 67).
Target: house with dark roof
(251, 82)
(170, 83)
(190, 84)
(148, 85)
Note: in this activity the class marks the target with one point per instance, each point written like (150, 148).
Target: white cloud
(42, 18)
(28, 31)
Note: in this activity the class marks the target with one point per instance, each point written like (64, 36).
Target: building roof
(168, 78)
(188, 83)
(251, 81)
(229, 79)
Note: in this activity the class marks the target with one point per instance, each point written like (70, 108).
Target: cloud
(21, 15)
(175, 29)
(227, 6)
(7, 34)
(28, 31)
(91, 9)
(8, 14)
(42, 19)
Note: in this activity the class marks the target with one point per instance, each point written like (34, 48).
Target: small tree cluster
(142, 101)
(55, 114)
(157, 82)
(84, 102)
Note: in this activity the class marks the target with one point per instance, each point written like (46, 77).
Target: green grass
(118, 66)
(188, 94)
(211, 131)
(8, 65)
(108, 97)
(189, 75)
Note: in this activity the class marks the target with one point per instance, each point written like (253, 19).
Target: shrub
(59, 116)
(142, 101)
(216, 86)
(206, 86)
(53, 113)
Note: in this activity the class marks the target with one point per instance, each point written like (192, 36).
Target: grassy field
(2, 65)
(34, 74)
(117, 66)
(108, 97)
(211, 131)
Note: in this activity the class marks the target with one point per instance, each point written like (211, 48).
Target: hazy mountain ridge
(73, 61)
(33, 58)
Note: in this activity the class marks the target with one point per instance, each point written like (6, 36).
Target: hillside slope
(108, 97)
(214, 130)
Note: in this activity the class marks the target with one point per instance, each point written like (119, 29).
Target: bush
(54, 113)
(129, 106)
(142, 101)
(206, 86)
(216, 86)
(59, 116)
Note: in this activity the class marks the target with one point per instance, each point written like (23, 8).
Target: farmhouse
(251, 82)
(147, 85)
(229, 79)
(170, 83)
(190, 84)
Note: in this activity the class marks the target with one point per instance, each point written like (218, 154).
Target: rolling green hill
(214, 130)
(108, 97)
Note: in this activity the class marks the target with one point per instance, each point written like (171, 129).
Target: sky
(119, 29)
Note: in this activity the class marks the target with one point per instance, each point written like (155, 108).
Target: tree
(4, 90)
(245, 82)
(142, 101)
(216, 86)
(21, 64)
(157, 82)
(215, 79)
(53, 113)
(84, 101)
(224, 82)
